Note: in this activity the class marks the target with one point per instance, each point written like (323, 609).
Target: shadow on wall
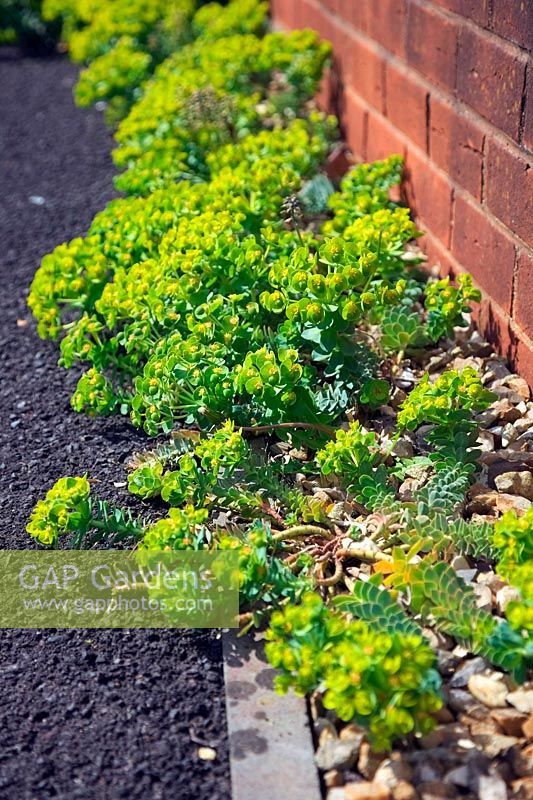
(496, 329)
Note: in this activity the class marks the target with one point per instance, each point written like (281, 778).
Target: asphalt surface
(86, 713)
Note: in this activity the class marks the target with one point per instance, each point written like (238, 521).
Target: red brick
(523, 359)
(429, 194)
(513, 19)
(509, 194)
(308, 14)
(508, 339)
(387, 23)
(338, 162)
(438, 256)
(366, 72)
(331, 27)
(527, 136)
(523, 292)
(495, 325)
(432, 44)
(285, 12)
(456, 144)
(476, 10)
(326, 95)
(406, 101)
(355, 124)
(490, 78)
(383, 139)
(332, 5)
(484, 250)
(356, 13)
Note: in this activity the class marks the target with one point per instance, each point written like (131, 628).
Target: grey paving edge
(271, 748)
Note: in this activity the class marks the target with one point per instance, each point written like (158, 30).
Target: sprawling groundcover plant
(237, 291)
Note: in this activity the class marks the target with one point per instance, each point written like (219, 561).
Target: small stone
(444, 716)
(333, 778)
(460, 363)
(459, 563)
(476, 345)
(523, 425)
(522, 699)
(446, 662)
(489, 691)
(477, 713)
(509, 434)
(483, 519)
(352, 733)
(506, 595)
(326, 729)
(336, 794)
(494, 743)
(435, 790)
(410, 487)
(519, 385)
(468, 575)
(522, 759)
(486, 503)
(460, 651)
(478, 723)
(404, 791)
(366, 790)
(459, 700)
(207, 753)
(486, 441)
(320, 494)
(492, 787)
(483, 596)
(472, 666)
(487, 418)
(339, 511)
(496, 369)
(443, 735)
(438, 640)
(397, 398)
(406, 379)
(368, 761)
(336, 753)
(527, 728)
(391, 771)
(510, 455)
(509, 720)
(519, 483)
(490, 579)
(506, 411)
(523, 443)
(426, 773)
(403, 449)
(523, 789)
(458, 776)
(466, 744)
(505, 393)
(438, 361)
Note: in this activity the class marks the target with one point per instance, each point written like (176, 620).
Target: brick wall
(449, 84)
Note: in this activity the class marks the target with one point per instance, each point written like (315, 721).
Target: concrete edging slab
(271, 748)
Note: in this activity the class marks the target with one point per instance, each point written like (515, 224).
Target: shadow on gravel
(97, 715)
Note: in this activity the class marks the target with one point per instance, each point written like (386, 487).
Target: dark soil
(83, 714)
